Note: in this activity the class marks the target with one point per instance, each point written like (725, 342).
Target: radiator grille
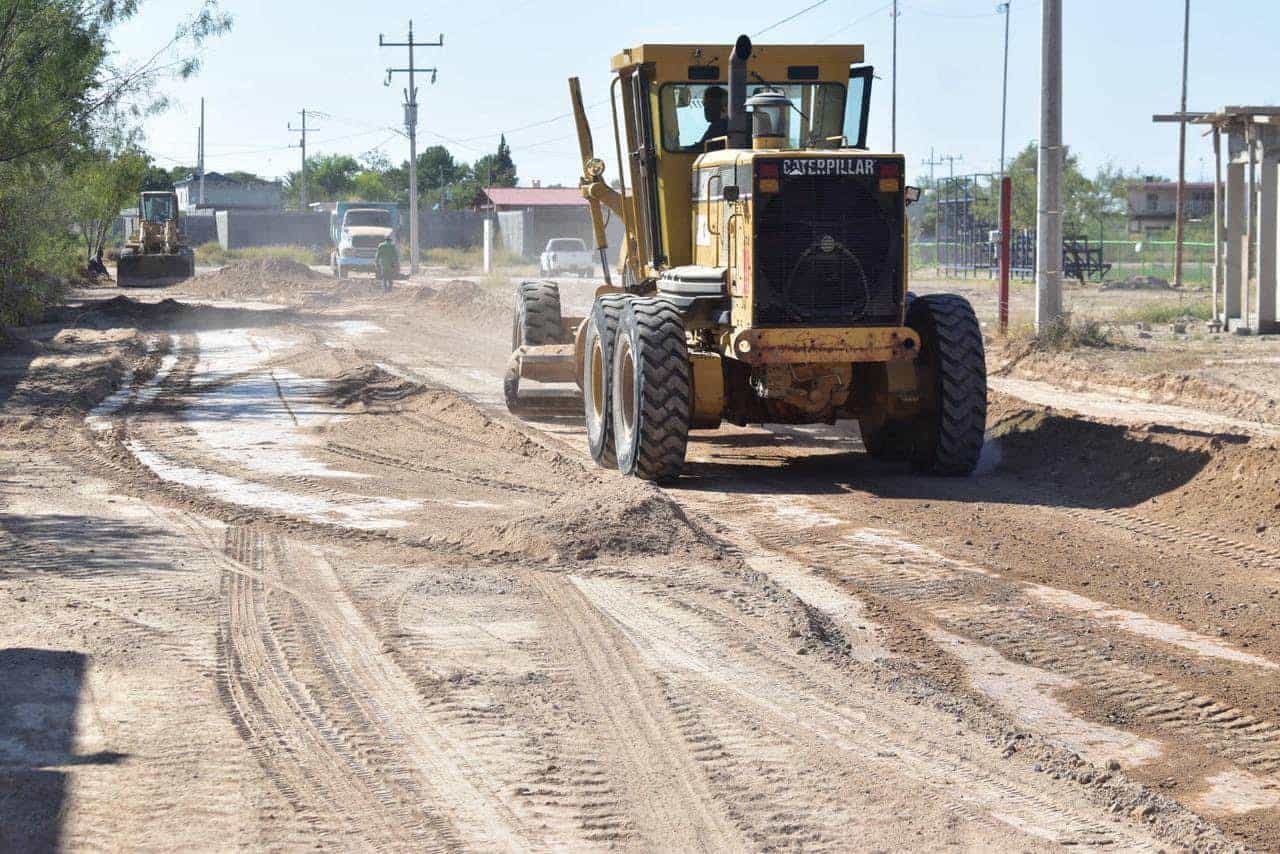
(828, 251)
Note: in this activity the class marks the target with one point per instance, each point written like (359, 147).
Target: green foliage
(69, 111)
(99, 187)
(496, 170)
(1167, 311)
(370, 187)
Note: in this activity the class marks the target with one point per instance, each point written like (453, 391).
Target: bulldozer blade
(143, 270)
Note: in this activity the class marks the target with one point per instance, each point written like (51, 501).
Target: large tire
(597, 379)
(536, 320)
(652, 391)
(949, 441)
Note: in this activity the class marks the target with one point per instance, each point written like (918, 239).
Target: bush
(1067, 333)
(38, 253)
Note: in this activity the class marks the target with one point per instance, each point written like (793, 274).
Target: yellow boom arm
(594, 188)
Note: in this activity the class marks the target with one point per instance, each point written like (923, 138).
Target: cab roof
(773, 62)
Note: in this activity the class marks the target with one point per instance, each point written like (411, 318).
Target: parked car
(566, 255)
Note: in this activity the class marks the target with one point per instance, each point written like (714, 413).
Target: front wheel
(597, 380)
(536, 318)
(652, 391)
(951, 348)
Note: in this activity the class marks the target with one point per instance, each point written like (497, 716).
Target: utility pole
(303, 145)
(200, 160)
(937, 215)
(1182, 153)
(1049, 171)
(893, 97)
(411, 126)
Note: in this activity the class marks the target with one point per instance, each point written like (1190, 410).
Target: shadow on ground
(40, 695)
(1033, 457)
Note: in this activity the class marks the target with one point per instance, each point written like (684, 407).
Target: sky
(504, 66)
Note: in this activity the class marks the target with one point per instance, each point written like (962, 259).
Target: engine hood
(368, 230)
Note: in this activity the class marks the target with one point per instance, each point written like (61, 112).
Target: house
(222, 193)
(1152, 203)
(530, 216)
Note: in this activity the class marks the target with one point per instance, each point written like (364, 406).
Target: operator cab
(158, 207)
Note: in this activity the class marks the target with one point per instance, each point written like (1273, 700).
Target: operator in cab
(715, 109)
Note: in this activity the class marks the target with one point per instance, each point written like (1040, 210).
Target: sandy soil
(279, 572)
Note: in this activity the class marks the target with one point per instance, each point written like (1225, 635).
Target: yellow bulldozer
(763, 273)
(156, 254)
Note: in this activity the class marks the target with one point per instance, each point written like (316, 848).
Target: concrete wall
(229, 194)
(238, 229)
(446, 228)
(526, 232)
(198, 230)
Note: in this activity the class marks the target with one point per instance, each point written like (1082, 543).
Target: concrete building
(530, 216)
(1151, 204)
(223, 193)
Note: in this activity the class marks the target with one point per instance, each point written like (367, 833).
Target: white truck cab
(566, 255)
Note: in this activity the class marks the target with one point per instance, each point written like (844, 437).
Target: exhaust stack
(739, 134)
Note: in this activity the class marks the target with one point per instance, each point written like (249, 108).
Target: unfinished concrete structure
(1246, 211)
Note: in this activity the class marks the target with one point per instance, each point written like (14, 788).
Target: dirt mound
(1225, 483)
(167, 313)
(462, 299)
(603, 519)
(370, 385)
(259, 278)
(1174, 387)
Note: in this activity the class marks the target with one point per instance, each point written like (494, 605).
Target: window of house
(1153, 202)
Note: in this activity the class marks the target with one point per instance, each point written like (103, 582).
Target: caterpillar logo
(829, 166)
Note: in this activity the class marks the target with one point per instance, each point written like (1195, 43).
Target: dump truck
(356, 229)
(156, 254)
(763, 273)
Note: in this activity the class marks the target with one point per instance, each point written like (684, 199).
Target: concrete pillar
(1237, 239)
(1265, 243)
(488, 245)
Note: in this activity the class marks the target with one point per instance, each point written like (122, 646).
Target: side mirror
(730, 193)
(912, 194)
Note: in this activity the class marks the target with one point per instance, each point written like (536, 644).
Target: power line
(860, 19)
(790, 17)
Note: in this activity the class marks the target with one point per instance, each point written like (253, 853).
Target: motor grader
(762, 278)
(156, 253)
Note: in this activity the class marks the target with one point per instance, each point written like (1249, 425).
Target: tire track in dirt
(960, 598)
(1246, 554)
(886, 739)
(669, 800)
(356, 742)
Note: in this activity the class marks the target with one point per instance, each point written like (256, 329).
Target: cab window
(694, 115)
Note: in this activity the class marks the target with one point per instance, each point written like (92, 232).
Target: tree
(329, 177)
(99, 187)
(438, 169)
(496, 170)
(59, 80)
(369, 186)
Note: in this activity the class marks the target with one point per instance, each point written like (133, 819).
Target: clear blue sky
(505, 63)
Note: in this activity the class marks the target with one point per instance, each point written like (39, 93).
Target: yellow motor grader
(156, 254)
(763, 273)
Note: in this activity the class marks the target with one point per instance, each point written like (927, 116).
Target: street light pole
(893, 97)
(1180, 201)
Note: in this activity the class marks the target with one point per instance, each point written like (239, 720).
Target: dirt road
(279, 572)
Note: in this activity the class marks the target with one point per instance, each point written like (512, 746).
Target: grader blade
(542, 381)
